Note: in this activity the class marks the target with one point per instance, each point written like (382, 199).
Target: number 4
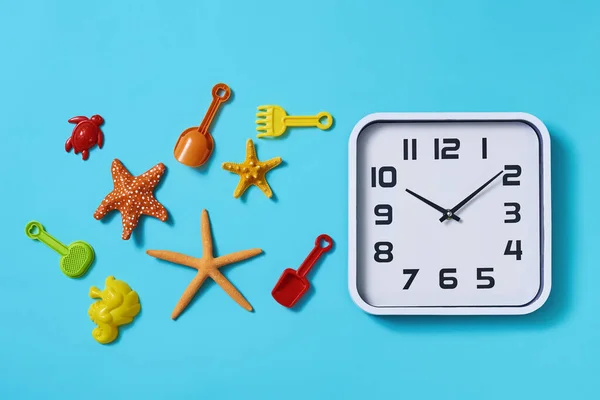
(516, 252)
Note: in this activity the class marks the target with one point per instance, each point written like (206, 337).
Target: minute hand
(469, 197)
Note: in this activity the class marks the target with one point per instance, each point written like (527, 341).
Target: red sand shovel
(293, 284)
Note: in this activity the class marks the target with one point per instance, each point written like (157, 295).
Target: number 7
(413, 273)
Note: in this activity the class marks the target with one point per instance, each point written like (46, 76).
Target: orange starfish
(132, 196)
(207, 266)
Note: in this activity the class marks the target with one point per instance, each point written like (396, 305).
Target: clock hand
(470, 197)
(432, 204)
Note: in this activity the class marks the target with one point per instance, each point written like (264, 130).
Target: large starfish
(132, 196)
(207, 266)
(252, 171)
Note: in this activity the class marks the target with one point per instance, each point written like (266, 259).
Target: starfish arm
(130, 221)
(250, 151)
(232, 167)
(272, 163)
(241, 187)
(235, 257)
(153, 175)
(207, 245)
(228, 287)
(264, 186)
(108, 204)
(154, 209)
(175, 258)
(120, 174)
(189, 294)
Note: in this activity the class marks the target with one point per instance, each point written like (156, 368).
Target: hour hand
(447, 213)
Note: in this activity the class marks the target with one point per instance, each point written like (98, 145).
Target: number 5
(490, 280)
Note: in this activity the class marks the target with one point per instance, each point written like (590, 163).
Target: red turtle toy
(86, 135)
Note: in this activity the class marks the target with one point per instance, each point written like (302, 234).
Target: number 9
(383, 210)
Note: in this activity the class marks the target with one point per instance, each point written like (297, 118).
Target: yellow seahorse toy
(117, 306)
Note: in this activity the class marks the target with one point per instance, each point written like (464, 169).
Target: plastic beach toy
(118, 305)
(86, 135)
(75, 258)
(273, 121)
(293, 284)
(195, 145)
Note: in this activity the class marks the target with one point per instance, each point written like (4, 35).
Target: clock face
(450, 215)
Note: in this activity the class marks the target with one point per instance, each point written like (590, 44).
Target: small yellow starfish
(252, 171)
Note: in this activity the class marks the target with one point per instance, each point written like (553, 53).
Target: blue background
(148, 67)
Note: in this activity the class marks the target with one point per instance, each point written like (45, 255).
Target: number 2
(506, 179)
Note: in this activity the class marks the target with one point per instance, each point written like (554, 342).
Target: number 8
(387, 252)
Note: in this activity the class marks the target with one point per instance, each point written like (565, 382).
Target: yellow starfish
(252, 171)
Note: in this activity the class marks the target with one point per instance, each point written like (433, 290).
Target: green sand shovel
(75, 259)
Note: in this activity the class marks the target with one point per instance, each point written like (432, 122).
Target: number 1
(484, 148)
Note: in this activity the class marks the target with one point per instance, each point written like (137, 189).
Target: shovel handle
(315, 254)
(36, 231)
(220, 94)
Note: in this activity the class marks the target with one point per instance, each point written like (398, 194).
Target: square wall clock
(449, 213)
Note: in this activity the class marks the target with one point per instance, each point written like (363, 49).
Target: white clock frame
(546, 213)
